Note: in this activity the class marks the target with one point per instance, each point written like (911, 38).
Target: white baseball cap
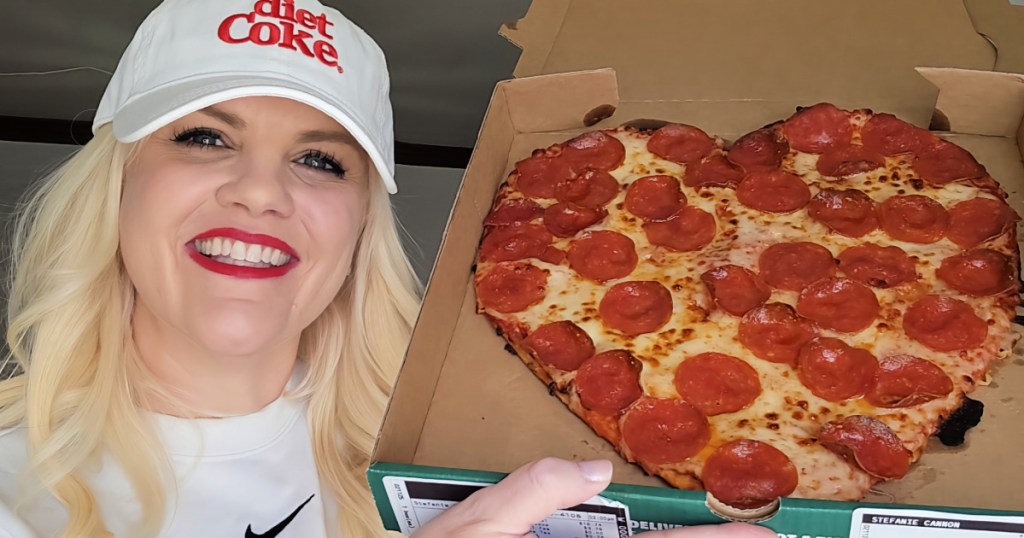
(190, 54)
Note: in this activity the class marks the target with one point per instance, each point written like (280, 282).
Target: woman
(211, 301)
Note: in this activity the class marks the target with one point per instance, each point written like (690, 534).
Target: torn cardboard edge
(1002, 23)
(539, 26)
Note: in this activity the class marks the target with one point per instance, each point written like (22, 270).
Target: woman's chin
(240, 340)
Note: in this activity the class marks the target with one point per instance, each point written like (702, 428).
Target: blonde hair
(69, 329)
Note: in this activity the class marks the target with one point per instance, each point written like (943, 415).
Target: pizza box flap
(964, 106)
(1002, 23)
(986, 103)
(538, 104)
(774, 55)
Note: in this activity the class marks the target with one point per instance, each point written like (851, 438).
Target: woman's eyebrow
(340, 137)
(235, 121)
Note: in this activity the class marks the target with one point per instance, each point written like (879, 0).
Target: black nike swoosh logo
(276, 529)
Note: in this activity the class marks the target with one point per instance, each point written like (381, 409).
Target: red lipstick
(239, 271)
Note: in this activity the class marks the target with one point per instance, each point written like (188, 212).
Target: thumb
(724, 530)
(534, 491)
(523, 498)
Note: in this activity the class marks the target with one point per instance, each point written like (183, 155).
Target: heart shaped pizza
(791, 314)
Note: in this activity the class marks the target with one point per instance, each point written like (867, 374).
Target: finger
(533, 492)
(725, 530)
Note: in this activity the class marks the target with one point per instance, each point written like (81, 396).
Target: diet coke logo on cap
(277, 22)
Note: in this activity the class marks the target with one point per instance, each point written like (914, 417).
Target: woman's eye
(323, 162)
(204, 138)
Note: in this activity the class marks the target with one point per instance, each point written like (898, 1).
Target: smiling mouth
(241, 254)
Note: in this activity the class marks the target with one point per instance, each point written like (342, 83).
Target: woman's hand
(511, 507)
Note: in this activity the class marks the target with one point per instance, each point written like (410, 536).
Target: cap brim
(151, 110)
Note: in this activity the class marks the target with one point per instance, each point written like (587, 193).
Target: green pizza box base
(464, 408)
(660, 508)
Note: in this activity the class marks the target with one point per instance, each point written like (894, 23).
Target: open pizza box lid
(729, 67)
(466, 410)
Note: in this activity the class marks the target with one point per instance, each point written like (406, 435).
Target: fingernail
(596, 470)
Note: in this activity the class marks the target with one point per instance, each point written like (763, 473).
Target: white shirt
(250, 476)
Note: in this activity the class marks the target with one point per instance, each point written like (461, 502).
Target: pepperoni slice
(735, 289)
(654, 197)
(603, 255)
(687, 230)
(661, 431)
(595, 149)
(561, 344)
(518, 211)
(565, 219)
(834, 371)
(979, 272)
(634, 307)
(793, 266)
(906, 381)
(869, 443)
(512, 287)
(944, 324)
(608, 382)
(889, 135)
(680, 143)
(759, 150)
(839, 304)
(552, 255)
(913, 218)
(880, 267)
(539, 173)
(848, 212)
(712, 171)
(592, 188)
(842, 161)
(818, 128)
(775, 333)
(715, 383)
(773, 191)
(946, 162)
(748, 474)
(977, 220)
(515, 242)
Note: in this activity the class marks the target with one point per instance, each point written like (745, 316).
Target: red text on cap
(282, 25)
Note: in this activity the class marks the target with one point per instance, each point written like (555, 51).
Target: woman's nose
(259, 186)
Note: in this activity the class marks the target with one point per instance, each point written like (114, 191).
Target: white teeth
(238, 250)
(254, 253)
(232, 251)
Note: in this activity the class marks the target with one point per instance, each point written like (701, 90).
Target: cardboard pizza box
(466, 411)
